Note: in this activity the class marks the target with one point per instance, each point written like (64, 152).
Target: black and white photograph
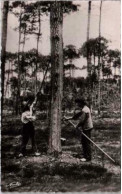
(60, 96)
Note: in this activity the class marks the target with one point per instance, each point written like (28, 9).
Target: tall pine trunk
(24, 38)
(23, 58)
(38, 39)
(19, 69)
(89, 58)
(56, 24)
(99, 58)
(3, 51)
(7, 81)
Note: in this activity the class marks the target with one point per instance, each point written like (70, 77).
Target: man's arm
(83, 118)
(76, 116)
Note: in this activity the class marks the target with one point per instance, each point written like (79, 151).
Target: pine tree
(99, 59)
(57, 9)
(3, 51)
(89, 57)
(56, 24)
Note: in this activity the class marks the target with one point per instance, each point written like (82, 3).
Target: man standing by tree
(83, 115)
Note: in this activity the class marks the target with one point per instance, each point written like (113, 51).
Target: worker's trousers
(28, 132)
(86, 144)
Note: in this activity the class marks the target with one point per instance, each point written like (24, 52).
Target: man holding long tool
(28, 131)
(83, 114)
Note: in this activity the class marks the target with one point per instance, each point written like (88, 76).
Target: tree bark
(99, 58)
(56, 24)
(24, 38)
(7, 81)
(3, 51)
(19, 69)
(23, 57)
(38, 37)
(89, 58)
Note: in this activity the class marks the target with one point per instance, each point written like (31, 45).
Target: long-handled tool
(40, 88)
(37, 94)
(92, 142)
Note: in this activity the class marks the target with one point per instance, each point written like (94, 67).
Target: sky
(74, 29)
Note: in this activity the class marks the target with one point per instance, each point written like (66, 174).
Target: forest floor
(65, 173)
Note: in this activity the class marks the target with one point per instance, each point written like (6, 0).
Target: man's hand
(79, 128)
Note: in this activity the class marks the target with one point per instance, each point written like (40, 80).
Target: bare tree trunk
(38, 37)
(23, 58)
(99, 57)
(9, 75)
(3, 51)
(19, 70)
(56, 22)
(24, 38)
(7, 81)
(89, 58)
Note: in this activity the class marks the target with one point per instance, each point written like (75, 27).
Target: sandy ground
(65, 173)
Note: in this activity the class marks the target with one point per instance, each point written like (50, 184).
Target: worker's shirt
(27, 117)
(84, 118)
